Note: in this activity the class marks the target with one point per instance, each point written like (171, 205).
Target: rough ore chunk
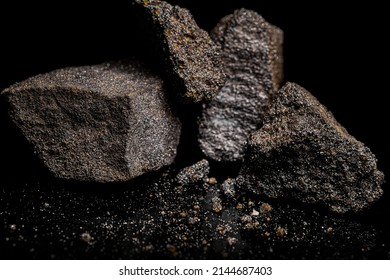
(303, 153)
(253, 62)
(104, 123)
(191, 59)
(194, 174)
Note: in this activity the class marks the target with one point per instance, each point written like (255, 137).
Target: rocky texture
(194, 174)
(191, 59)
(253, 62)
(154, 218)
(303, 153)
(103, 123)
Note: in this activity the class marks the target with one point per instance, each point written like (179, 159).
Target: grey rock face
(191, 58)
(194, 174)
(303, 153)
(253, 62)
(103, 123)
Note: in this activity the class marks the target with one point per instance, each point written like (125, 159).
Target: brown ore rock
(303, 153)
(251, 50)
(103, 123)
(191, 59)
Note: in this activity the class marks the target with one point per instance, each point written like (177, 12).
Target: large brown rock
(103, 123)
(191, 59)
(251, 50)
(303, 153)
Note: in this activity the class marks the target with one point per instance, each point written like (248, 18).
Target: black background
(336, 52)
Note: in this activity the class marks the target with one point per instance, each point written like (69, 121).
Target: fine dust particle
(267, 234)
(239, 206)
(148, 248)
(255, 213)
(246, 219)
(217, 206)
(183, 214)
(221, 229)
(193, 220)
(86, 237)
(248, 226)
(329, 230)
(280, 232)
(231, 241)
(12, 227)
(46, 205)
(172, 250)
(265, 207)
(212, 181)
(267, 219)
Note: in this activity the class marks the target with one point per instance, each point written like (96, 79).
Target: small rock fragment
(216, 204)
(172, 249)
(231, 241)
(280, 232)
(255, 213)
(193, 220)
(329, 230)
(253, 62)
(86, 237)
(265, 207)
(191, 59)
(212, 181)
(246, 219)
(228, 187)
(303, 153)
(103, 123)
(221, 229)
(194, 174)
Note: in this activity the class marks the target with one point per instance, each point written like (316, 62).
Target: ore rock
(253, 62)
(303, 153)
(103, 123)
(194, 174)
(191, 59)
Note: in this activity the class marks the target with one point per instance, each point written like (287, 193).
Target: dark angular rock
(303, 153)
(194, 174)
(103, 123)
(253, 62)
(191, 59)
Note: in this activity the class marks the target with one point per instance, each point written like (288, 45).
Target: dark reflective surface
(332, 51)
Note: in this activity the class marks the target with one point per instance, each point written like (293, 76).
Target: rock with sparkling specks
(193, 174)
(190, 58)
(251, 50)
(302, 153)
(103, 123)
